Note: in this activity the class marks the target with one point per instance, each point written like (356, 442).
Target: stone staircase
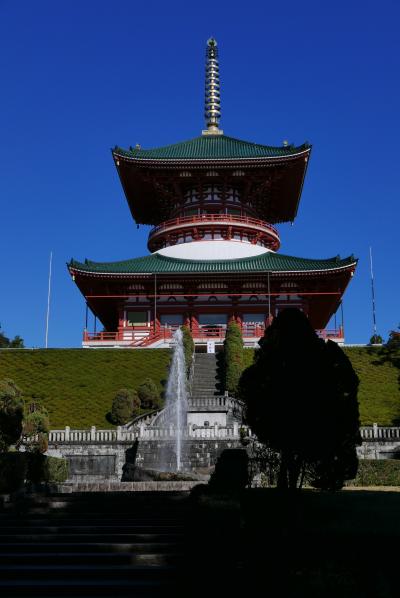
(93, 544)
(205, 382)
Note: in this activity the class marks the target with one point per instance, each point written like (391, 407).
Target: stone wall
(94, 462)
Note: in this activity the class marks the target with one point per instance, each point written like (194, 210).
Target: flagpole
(373, 292)
(48, 301)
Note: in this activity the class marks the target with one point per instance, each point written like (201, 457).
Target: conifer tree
(301, 401)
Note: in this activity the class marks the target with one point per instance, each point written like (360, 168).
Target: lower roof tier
(260, 280)
(265, 262)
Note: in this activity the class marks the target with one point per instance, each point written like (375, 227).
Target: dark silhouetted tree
(5, 343)
(11, 414)
(301, 401)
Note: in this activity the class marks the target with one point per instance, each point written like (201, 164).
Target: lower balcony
(144, 338)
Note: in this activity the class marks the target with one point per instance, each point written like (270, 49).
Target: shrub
(125, 406)
(13, 471)
(188, 347)
(233, 357)
(35, 429)
(55, 470)
(42, 468)
(149, 395)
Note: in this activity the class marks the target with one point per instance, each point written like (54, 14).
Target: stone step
(41, 547)
(75, 537)
(65, 528)
(86, 519)
(85, 571)
(97, 558)
(79, 588)
(104, 545)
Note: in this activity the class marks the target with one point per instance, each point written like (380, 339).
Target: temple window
(137, 318)
(213, 319)
(253, 318)
(171, 319)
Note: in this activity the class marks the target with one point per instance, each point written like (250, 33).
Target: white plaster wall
(213, 250)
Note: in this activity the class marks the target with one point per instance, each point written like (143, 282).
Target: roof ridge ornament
(212, 90)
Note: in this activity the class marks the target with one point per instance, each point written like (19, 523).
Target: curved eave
(84, 270)
(224, 162)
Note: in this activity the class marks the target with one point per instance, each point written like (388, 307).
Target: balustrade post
(375, 430)
(216, 430)
(141, 431)
(93, 433)
(67, 431)
(119, 433)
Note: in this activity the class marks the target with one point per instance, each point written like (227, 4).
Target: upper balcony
(186, 229)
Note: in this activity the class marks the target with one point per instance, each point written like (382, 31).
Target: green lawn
(379, 390)
(77, 385)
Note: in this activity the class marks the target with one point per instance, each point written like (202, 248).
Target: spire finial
(212, 95)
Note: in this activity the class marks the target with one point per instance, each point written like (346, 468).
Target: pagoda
(212, 203)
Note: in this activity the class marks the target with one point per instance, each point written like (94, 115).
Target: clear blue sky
(78, 78)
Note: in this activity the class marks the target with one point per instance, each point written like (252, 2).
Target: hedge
(377, 472)
(16, 468)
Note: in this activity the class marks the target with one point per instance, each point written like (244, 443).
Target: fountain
(176, 396)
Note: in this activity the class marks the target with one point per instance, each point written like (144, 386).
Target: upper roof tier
(269, 179)
(212, 147)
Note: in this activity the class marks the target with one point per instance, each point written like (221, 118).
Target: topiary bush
(125, 406)
(188, 347)
(233, 357)
(149, 395)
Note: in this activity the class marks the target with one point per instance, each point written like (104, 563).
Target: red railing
(249, 330)
(210, 218)
(100, 336)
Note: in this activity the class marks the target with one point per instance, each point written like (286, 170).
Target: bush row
(17, 468)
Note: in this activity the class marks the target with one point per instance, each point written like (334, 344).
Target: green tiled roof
(266, 262)
(211, 147)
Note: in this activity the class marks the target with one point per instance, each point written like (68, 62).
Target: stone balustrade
(121, 434)
(380, 432)
(142, 432)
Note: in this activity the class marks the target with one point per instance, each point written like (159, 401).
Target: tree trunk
(282, 483)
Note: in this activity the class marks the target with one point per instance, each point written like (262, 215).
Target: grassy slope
(379, 390)
(77, 385)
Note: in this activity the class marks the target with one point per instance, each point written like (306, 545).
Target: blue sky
(80, 77)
